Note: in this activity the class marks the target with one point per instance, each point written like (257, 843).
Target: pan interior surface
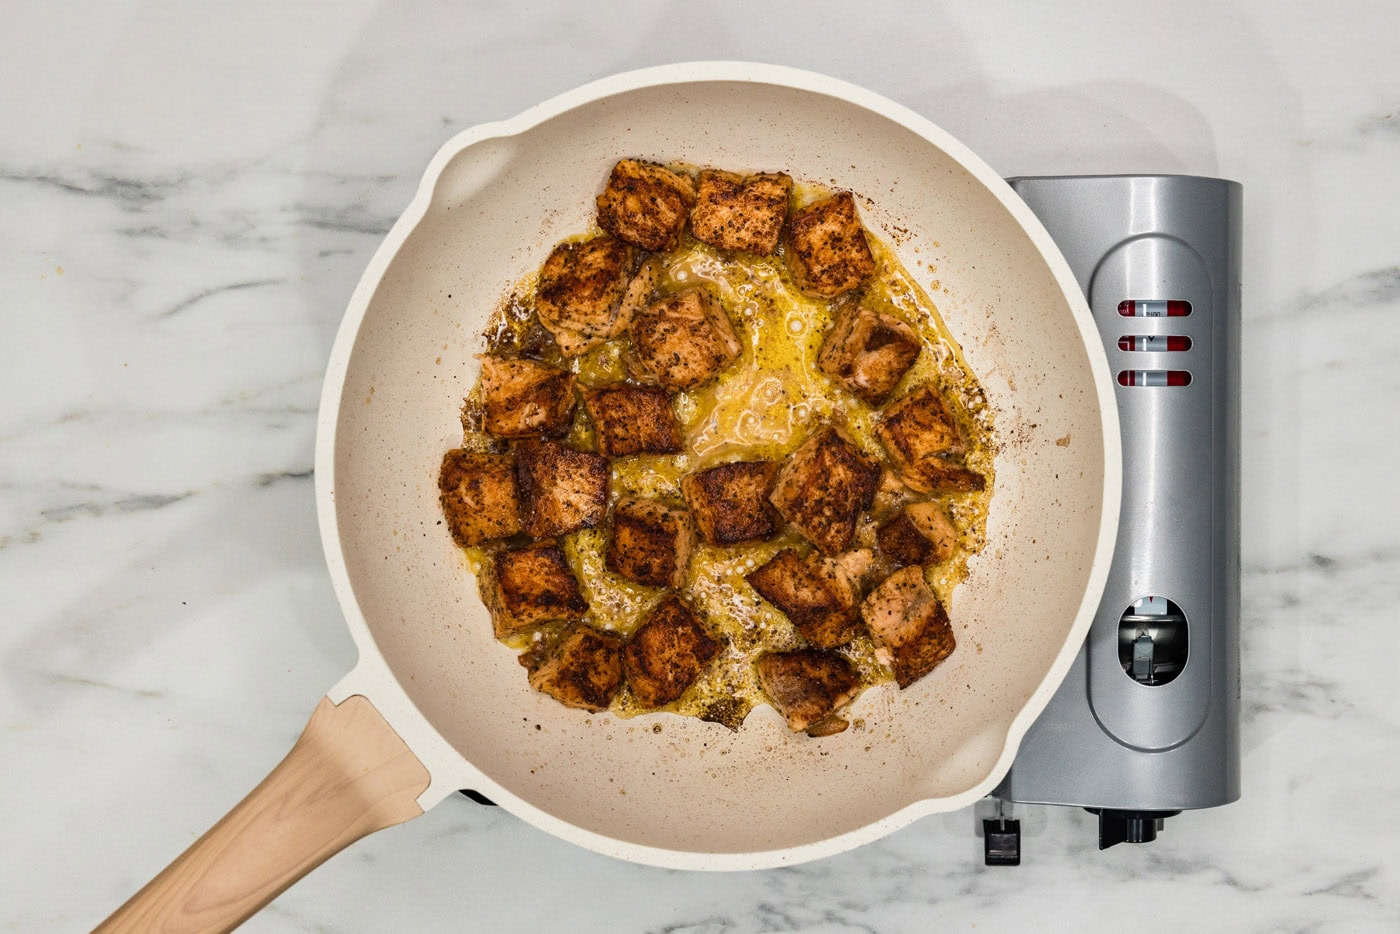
(659, 782)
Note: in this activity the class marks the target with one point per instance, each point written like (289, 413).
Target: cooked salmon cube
(910, 626)
(920, 426)
(890, 493)
(667, 653)
(940, 475)
(806, 686)
(645, 204)
(581, 286)
(650, 542)
(633, 420)
(730, 502)
(641, 292)
(682, 340)
(814, 592)
(525, 398)
(920, 434)
(824, 486)
(583, 670)
(734, 212)
(921, 533)
(867, 352)
(561, 488)
(523, 587)
(827, 253)
(944, 476)
(479, 496)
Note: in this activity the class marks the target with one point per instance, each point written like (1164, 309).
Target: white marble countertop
(188, 194)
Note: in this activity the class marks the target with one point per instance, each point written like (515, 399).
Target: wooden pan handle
(347, 776)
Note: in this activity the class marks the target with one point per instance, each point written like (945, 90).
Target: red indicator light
(1154, 309)
(1154, 378)
(1153, 343)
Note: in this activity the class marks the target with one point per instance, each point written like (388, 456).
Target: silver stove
(1146, 723)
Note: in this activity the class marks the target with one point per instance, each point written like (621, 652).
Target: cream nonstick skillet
(435, 704)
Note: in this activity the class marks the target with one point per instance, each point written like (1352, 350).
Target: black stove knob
(1129, 826)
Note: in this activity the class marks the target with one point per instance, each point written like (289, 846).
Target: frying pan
(434, 704)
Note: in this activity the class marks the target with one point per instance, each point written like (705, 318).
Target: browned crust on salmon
(667, 653)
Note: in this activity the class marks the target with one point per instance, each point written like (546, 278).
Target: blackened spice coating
(739, 213)
(667, 653)
(583, 670)
(731, 503)
(828, 254)
(645, 204)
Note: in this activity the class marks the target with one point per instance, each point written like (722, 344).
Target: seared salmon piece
(742, 213)
(667, 653)
(922, 533)
(730, 502)
(650, 542)
(523, 587)
(827, 252)
(645, 204)
(479, 496)
(944, 476)
(815, 592)
(910, 626)
(525, 398)
(682, 340)
(641, 291)
(561, 488)
(583, 670)
(633, 420)
(867, 352)
(806, 686)
(824, 486)
(581, 286)
(920, 434)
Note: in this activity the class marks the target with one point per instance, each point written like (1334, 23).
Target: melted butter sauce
(762, 406)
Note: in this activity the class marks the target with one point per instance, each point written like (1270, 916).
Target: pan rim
(372, 675)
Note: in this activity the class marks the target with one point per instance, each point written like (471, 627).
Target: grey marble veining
(188, 195)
